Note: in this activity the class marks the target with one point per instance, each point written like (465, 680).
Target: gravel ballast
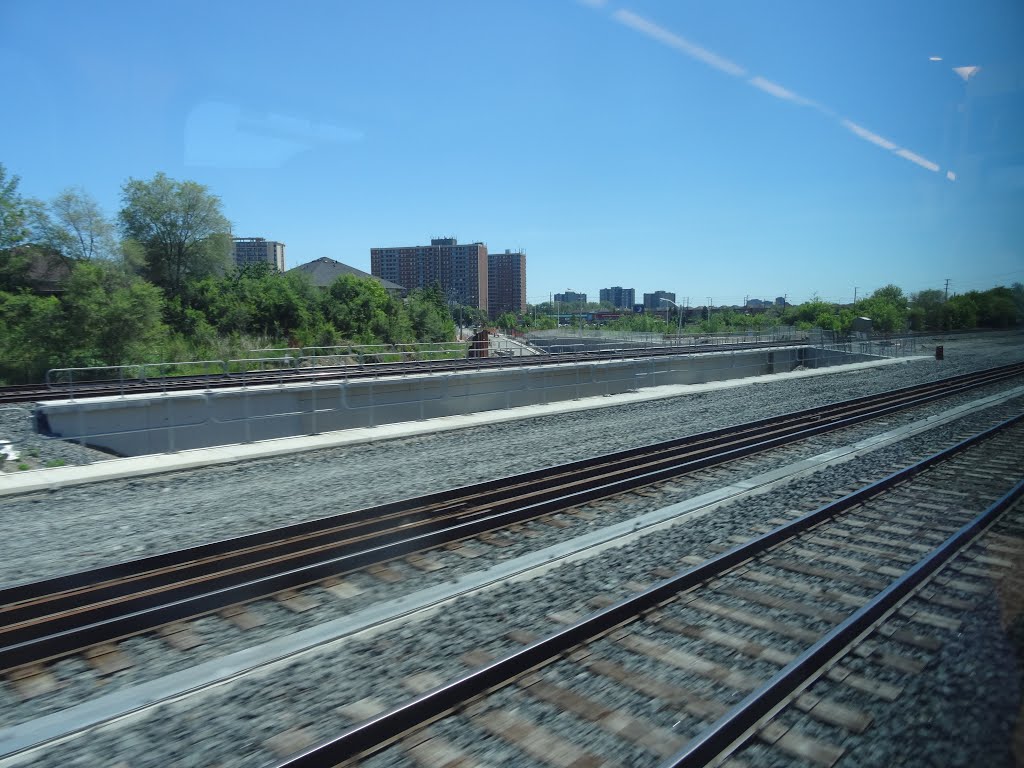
(152, 658)
(91, 525)
(306, 694)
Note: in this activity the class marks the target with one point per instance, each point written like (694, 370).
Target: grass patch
(55, 463)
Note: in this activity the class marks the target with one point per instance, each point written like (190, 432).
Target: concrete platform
(141, 424)
(110, 469)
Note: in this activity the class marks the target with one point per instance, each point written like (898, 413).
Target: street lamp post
(679, 314)
(582, 309)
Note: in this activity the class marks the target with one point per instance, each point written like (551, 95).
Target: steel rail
(538, 486)
(732, 729)
(492, 495)
(377, 732)
(126, 607)
(438, 500)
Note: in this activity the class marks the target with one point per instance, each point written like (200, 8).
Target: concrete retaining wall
(145, 424)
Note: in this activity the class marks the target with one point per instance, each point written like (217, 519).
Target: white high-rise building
(252, 250)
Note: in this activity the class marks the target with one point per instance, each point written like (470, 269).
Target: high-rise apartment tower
(620, 298)
(459, 270)
(252, 250)
(506, 283)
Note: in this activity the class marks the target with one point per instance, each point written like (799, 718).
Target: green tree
(891, 294)
(111, 316)
(31, 336)
(14, 267)
(808, 312)
(430, 317)
(73, 225)
(13, 213)
(363, 312)
(928, 311)
(544, 322)
(1017, 294)
(506, 321)
(963, 312)
(258, 300)
(641, 323)
(996, 308)
(180, 227)
(469, 316)
(14, 233)
(887, 308)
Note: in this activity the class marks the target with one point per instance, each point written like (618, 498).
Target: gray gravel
(230, 726)
(153, 659)
(87, 526)
(960, 712)
(35, 452)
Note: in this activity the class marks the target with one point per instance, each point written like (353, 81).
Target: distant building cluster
(625, 298)
(780, 301)
(254, 250)
(466, 273)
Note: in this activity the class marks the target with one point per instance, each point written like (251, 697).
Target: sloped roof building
(324, 271)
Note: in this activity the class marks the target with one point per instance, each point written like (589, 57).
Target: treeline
(158, 284)
(889, 309)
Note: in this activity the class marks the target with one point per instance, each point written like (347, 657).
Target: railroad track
(21, 393)
(93, 609)
(809, 629)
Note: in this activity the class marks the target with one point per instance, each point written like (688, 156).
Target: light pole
(679, 313)
(570, 290)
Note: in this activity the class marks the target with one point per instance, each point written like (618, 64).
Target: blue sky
(721, 149)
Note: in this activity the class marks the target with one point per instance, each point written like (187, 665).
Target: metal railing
(252, 413)
(651, 339)
(883, 346)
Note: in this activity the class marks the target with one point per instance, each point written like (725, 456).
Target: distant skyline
(718, 149)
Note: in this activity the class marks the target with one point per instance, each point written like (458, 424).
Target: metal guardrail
(268, 359)
(900, 346)
(360, 354)
(328, 404)
(781, 333)
(294, 359)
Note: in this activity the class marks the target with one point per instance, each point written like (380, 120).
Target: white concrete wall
(145, 424)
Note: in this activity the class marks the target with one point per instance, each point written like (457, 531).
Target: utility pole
(946, 297)
(855, 296)
(679, 318)
(709, 309)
